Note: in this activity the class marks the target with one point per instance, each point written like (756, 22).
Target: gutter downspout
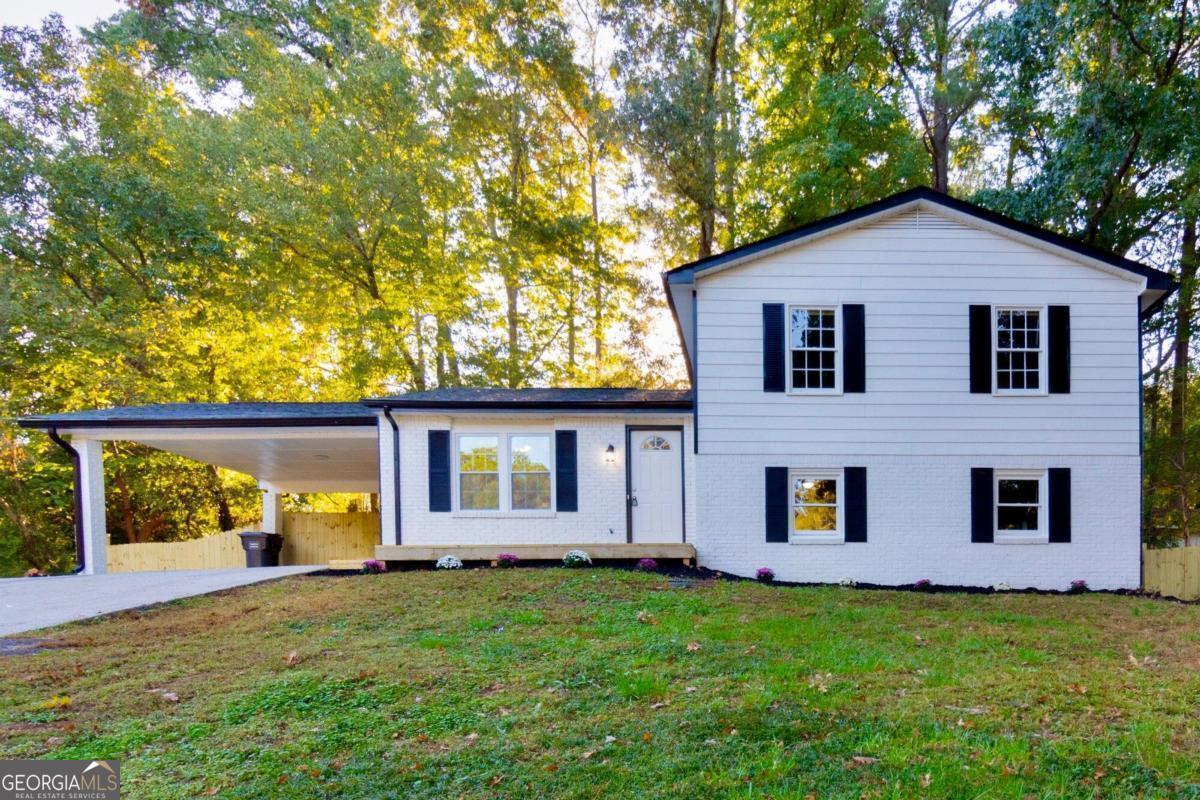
(387, 412)
(74, 454)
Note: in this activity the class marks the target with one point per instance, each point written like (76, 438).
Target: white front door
(656, 485)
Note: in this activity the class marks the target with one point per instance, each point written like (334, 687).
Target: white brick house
(914, 389)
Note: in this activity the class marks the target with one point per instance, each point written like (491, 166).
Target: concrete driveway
(27, 604)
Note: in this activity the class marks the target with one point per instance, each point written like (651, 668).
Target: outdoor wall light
(610, 455)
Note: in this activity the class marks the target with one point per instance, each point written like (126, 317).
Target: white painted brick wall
(918, 525)
(601, 515)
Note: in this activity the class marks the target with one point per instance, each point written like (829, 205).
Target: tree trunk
(597, 276)
(707, 202)
(572, 311)
(447, 359)
(939, 145)
(224, 514)
(1189, 261)
(512, 316)
(419, 380)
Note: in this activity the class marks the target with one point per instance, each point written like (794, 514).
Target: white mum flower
(448, 562)
(576, 558)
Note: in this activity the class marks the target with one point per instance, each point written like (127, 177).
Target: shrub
(448, 562)
(507, 560)
(647, 565)
(576, 558)
(373, 567)
(764, 575)
(1078, 586)
(848, 582)
(923, 585)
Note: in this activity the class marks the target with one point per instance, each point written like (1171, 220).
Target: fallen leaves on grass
(292, 659)
(861, 761)
(56, 701)
(693, 647)
(1076, 688)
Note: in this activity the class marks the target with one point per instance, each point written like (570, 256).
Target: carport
(287, 447)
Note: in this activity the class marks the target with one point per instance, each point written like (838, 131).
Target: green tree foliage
(831, 131)
(211, 200)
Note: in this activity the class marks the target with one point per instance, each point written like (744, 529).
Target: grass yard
(609, 684)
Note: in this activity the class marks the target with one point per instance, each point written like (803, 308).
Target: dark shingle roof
(230, 415)
(550, 399)
(198, 415)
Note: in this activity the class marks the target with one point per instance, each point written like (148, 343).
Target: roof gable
(1157, 283)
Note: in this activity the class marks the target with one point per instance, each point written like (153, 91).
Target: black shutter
(981, 350)
(1058, 364)
(777, 504)
(856, 504)
(774, 366)
(982, 505)
(566, 472)
(854, 352)
(1060, 504)
(439, 470)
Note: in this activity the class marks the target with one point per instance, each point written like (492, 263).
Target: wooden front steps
(533, 552)
(343, 564)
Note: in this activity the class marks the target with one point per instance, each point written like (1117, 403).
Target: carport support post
(91, 480)
(272, 509)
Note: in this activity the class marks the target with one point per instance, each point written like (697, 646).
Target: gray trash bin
(262, 549)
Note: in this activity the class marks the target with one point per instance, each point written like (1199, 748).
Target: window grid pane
(530, 463)
(1018, 349)
(479, 473)
(814, 504)
(813, 344)
(1018, 504)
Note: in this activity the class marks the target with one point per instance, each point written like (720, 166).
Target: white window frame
(836, 536)
(837, 347)
(1041, 351)
(504, 464)
(1042, 534)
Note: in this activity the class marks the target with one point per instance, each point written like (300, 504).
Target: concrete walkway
(27, 604)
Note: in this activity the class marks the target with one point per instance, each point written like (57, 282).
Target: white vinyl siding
(917, 275)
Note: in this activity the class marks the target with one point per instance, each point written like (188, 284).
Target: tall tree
(936, 48)
(676, 70)
(831, 130)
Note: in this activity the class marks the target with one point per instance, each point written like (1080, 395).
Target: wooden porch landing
(527, 552)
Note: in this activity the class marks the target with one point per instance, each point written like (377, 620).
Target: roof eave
(687, 358)
(525, 405)
(46, 423)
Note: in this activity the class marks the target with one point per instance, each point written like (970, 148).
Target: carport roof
(215, 415)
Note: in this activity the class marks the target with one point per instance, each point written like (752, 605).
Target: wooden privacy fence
(1172, 572)
(307, 539)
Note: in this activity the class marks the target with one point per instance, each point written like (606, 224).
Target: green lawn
(610, 684)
